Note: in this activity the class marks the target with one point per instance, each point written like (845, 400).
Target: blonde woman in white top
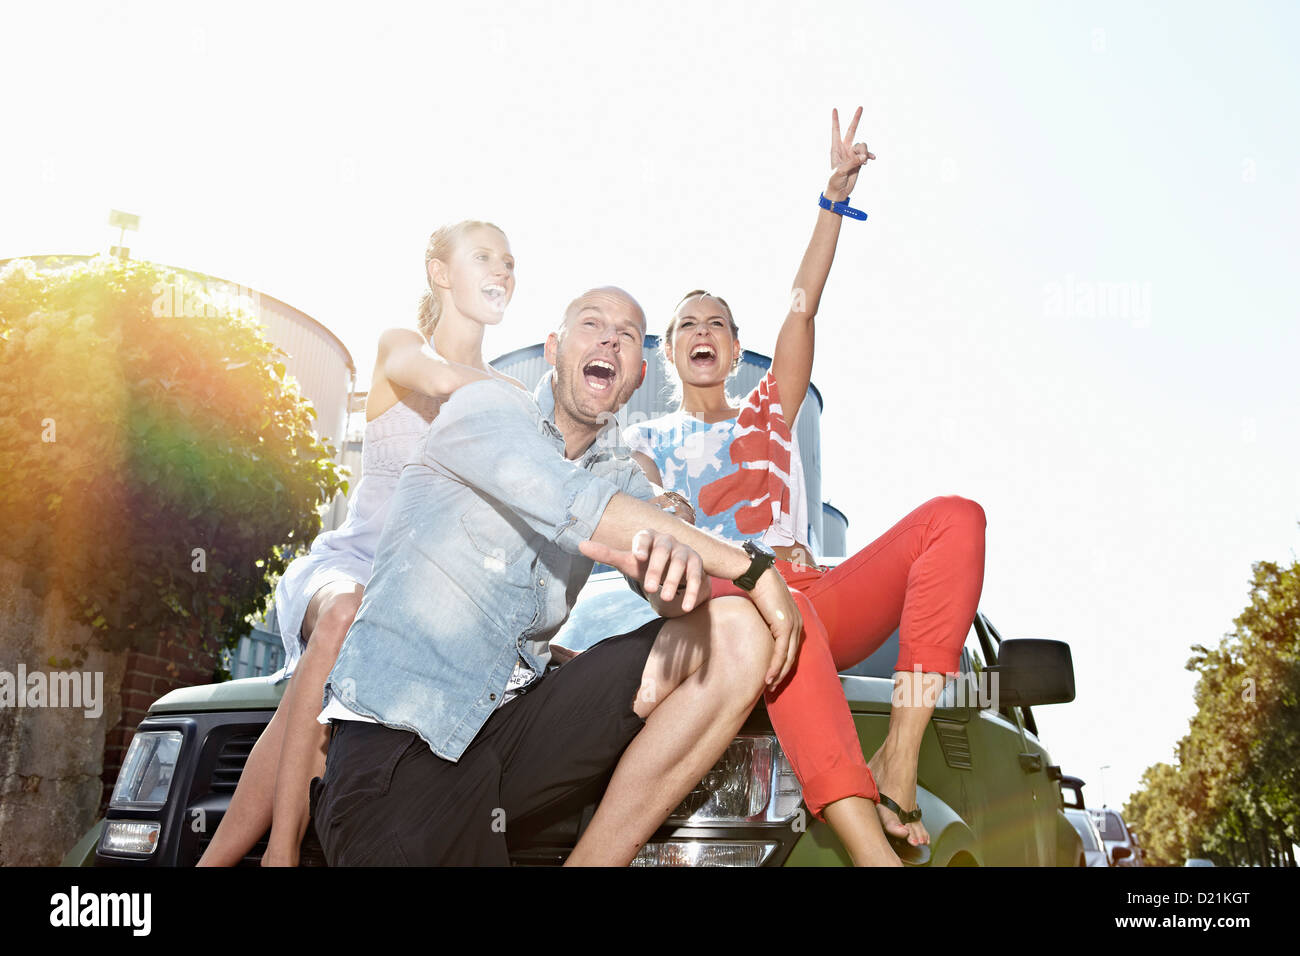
(471, 278)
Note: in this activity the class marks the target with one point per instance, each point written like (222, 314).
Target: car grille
(226, 771)
(230, 763)
(954, 743)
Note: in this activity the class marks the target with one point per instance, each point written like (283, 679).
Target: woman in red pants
(739, 468)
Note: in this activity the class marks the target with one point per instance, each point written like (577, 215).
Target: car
(987, 787)
(1138, 851)
(1198, 861)
(1072, 791)
(1094, 849)
(1120, 844)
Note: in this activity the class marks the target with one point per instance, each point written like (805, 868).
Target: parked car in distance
(1094, 849)
(1198, 861)
(1138, 851)
(1120, 845)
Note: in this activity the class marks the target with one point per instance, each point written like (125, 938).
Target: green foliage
(160, 467)
(1235, 793)
(1156, 812)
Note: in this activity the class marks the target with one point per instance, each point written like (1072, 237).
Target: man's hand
(661, 563)
(847, 157)
(772, 598)
(561, 654)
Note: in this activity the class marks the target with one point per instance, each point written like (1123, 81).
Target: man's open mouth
(599, 374)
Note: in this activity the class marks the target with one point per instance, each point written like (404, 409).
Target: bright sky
(1074, 300)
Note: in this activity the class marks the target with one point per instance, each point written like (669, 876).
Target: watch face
(758, 547)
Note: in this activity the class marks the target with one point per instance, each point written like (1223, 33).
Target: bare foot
(896, 778)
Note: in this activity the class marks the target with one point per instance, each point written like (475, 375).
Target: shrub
(161, 469)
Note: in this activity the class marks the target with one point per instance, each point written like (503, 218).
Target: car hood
(250, 693)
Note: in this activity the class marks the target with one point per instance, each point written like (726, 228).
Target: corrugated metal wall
(655, 398)
(317, 360)
(835, 532)
(324, 370)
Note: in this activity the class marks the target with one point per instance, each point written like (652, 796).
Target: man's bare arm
(625, 517)
(634, 567)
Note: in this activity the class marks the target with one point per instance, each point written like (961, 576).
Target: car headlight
(752, 783)
(690, 853)
(139, 839)
(146, 773)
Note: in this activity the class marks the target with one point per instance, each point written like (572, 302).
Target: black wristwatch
(762, 557)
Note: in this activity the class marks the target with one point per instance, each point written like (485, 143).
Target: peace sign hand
(847, 157)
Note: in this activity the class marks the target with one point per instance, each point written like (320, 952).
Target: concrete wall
(51, 758)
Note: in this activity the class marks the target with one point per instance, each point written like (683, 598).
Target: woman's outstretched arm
(792, 358)
(408, 361)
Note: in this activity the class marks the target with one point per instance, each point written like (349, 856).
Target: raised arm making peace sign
(739, 466)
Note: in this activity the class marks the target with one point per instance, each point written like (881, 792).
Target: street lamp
(124, 221)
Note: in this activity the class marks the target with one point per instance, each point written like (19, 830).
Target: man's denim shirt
(478, 564)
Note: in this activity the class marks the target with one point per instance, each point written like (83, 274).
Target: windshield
(880, 663)
(1110, 825)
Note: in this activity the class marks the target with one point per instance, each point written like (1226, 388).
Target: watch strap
(760, 561)
(841, 208)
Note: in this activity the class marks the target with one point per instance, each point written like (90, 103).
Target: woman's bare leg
(924, 577)
(302, 753)
(701, 680)
(894, 763)
(856, 823)
(249, 813)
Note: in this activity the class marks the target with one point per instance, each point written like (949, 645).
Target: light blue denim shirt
(478, 564)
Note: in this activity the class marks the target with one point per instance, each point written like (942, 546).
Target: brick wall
(160, 666)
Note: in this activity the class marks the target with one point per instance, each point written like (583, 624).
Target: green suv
(987, 788)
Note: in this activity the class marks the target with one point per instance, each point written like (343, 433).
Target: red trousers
(923, 576)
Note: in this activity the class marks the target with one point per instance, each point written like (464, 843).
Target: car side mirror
(1120, 853)
(1033, 672)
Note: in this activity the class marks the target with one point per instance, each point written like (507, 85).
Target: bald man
(448, 732)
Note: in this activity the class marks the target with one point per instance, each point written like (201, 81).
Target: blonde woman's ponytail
(430, 310)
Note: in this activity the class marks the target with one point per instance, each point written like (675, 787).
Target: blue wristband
(841, 208)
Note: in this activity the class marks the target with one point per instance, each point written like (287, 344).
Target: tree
(1156, 812)
(1235, 793)
(161, 468)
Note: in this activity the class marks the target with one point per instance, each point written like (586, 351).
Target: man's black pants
(387, 800)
